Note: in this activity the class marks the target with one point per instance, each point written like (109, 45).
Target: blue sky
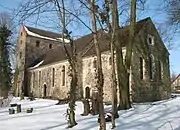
(157, 16)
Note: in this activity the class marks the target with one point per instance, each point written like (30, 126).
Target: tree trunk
(72, 99)
(73, 66)
(86, 107)
(121, 70)
(100, 80)
(125, 93)
(113, 82)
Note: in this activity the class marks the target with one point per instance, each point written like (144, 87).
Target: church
(43, 68)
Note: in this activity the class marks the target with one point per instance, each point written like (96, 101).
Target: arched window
(39, 78)
(94, 63)
(151, 62)
(33, 79)
(160, 70)
(141, 67)
(110, 61)
(87, 92)
(63, 75)
(53, 76)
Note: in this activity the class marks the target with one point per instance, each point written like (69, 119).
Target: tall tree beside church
(123, 66)
(113, 74)
(100, 79)
(71, 56)
(125, 102)
(5, 67)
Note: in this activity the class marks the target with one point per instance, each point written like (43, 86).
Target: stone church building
(44, 70)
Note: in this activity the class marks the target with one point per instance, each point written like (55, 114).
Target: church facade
(44, 70)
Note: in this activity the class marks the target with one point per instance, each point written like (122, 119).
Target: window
(50, 46)
(94, 63)
(33, 79)
(151, 62)
(160, 70)
(150, 40)
(53, 75)
(21, 33)
(141, 67)
(63, 76)
(21, 42)
(20, 55)
(39, 78)
(110, 61)
(37, 43)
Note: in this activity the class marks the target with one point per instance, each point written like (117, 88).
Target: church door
(45, 91)
(87, 92)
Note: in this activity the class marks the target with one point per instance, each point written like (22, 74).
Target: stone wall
(158, 87)
(33, 52)
(43, 77)
(21, 45)
(89, 73)
(142, 89)
(28, 53)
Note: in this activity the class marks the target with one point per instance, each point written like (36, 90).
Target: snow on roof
(37, 65)
(40, 36)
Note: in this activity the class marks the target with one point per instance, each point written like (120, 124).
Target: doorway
(44, 90)
(87, 92)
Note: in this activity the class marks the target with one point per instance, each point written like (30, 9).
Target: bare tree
(113, 74)
(100, 79)
(73, 64)
(32, 8)
(173, 12)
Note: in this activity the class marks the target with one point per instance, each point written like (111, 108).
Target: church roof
(175, 78)
(44, 33)
(85, 46)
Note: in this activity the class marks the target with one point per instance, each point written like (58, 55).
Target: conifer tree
(5, 67)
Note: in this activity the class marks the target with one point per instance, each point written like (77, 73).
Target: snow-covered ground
(163, 115)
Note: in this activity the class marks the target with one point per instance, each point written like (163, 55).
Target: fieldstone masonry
(47, 80)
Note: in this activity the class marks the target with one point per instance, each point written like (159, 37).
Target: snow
(163, 115)
(39, 36)
(37, 65)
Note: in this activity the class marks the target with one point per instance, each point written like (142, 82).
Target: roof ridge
(42, 30)
(175, 78)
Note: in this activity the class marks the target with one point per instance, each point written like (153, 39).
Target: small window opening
(150, 40)
(37, 43)
(50, 46)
